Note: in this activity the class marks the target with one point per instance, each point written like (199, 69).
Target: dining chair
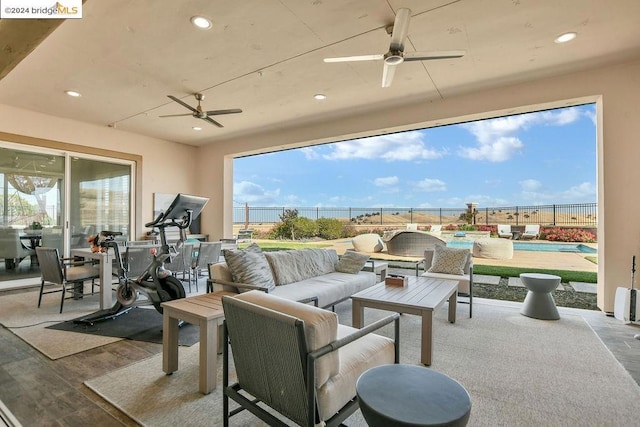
(208, 253)
(68, 274)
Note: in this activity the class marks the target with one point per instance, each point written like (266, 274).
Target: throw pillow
(351, 262)
(249, 266)
(448, 260)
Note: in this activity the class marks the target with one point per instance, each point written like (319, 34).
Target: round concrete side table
(411, 395)
(539, 302)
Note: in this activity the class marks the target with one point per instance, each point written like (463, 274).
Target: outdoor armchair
(296, 359)
(464, 275)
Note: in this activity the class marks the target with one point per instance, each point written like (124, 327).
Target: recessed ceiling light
(72, 93)
(566, 37)
(201, 22)
(197, 128)
(320, 96)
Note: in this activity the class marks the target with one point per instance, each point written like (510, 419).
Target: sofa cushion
(249, 266)
(320, 327)
(355, 358)
(328, 288)
(296, 265)
(351, 262)
(448, 260)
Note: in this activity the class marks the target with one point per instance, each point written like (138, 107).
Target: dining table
(106, 271)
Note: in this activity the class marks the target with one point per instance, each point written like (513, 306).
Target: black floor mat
(140, 324)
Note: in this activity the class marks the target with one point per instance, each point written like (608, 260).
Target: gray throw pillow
(448, 260)
(249, 266)
(351, 262)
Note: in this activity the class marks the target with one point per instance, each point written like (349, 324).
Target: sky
(529, 159)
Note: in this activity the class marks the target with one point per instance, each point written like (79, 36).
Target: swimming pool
(536, 247)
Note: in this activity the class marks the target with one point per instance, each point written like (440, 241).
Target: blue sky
(529, 159)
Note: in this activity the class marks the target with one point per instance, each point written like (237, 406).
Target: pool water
(536, 247)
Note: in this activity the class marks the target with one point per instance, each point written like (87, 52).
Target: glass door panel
(100, 199)
(31, 201)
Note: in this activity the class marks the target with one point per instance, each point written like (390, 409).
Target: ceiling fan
(396, 56)
(199, 113)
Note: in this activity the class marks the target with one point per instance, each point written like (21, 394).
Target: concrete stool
(539, 302)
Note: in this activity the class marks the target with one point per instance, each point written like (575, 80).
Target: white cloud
(498, 150)
(386, 181)
(405, 146)
(431, 185)
(497, 139)
(254, 194)
(310, 153)
(530, 184)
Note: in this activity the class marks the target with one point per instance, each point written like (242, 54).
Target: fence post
(486, 216)
(554, 214)
(440, 215)
(246, 215)
(380, 216)
(411, 215)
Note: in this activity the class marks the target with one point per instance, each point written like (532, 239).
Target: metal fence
(577, 214)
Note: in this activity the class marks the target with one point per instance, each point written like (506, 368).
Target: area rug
(139, 323)
(19, 313)
(518, 371)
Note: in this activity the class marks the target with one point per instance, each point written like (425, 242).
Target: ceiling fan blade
(177, 115)
(213, 122)
(184, 104)
(400, 29)
(387, 74)
(218, 112)
(355, 58)
(440, 54)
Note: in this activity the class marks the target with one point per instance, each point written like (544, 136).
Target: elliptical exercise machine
(156, 282)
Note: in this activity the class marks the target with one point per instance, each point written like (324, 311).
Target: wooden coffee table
(420, 297)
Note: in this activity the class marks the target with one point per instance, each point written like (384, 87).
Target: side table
(410, 395)
(539, 302)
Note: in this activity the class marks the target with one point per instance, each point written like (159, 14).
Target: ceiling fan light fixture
(201, 22)
(566, 37)
(320, 96)
(73, 93)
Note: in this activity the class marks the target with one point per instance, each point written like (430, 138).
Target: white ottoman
(493, 248)
(370, 242)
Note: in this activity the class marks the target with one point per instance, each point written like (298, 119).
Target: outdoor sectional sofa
(304, 275)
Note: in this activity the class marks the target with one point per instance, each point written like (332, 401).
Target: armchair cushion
(355, 358)
(351, 262)
(249, 266)
(449, 260)
(320, 327)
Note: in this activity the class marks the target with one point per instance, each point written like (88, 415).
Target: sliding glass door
(57, 199)
(100, 199)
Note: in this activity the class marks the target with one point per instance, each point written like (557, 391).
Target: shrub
(558, 234)
(329, 228)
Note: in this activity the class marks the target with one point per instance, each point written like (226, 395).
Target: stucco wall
(616, 89)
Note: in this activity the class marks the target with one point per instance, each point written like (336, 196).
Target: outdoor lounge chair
(296, 359)
(504, 231)
(531, 231)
